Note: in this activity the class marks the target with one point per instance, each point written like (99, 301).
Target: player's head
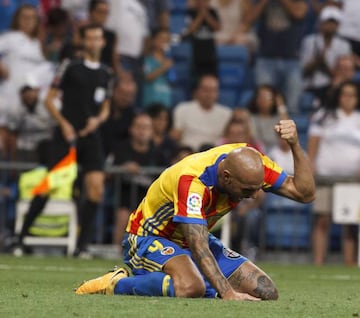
(241, 173)
(93, 41)
(99, 11)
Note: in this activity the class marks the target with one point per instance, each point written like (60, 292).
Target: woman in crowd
(334, 149)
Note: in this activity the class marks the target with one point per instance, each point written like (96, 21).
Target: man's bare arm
(301, 186)
(197, 237)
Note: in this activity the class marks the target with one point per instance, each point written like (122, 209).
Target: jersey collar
(209, 177)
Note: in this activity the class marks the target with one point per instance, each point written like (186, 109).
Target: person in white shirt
(20, 54)
(202, 120)
(334, 150)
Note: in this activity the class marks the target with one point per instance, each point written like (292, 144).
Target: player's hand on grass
(287, 131)
(233, 295)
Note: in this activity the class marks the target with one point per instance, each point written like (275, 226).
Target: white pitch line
(51, 268)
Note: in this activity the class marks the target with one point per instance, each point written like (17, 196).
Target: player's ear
(227, 177)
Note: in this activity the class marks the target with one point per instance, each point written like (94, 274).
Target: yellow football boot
(104, 284)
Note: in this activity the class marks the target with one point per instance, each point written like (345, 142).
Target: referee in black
(84, 87)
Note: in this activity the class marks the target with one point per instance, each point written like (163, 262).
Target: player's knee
(190, 289)
(266, 289)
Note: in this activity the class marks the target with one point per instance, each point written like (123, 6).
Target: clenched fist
(287, 131)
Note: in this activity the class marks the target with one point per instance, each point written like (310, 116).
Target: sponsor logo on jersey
(168, 250)
(194, 204)
(228, 253)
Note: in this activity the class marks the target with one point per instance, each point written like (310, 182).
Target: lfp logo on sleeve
(194, 204)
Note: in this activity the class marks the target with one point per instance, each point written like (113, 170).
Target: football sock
(36, 207)
(87, 220)
(152, 284)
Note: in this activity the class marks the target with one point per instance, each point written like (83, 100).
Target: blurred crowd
(303, 60)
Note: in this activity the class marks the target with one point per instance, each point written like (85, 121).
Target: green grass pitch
(43, 287)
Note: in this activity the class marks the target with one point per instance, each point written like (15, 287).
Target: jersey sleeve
(190, 198)
(60, 74)
(274, 174)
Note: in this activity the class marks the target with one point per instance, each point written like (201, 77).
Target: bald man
(168, 245)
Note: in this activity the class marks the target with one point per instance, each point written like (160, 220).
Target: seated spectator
(156, 65)
(334, 152)
(320, 51)
(233, 29)
(202, 120)
(122, 112)
(29, 124)
(15, 62)
(133, 153)
(344, 70)
(203, 22)
(58, 33)
(239, 129)
(266, 109)
(281, 153)
(181, 153)
(165, 146)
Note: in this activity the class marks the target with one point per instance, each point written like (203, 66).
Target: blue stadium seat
(181, 52)
(177, 22)
(180, 73)
(288, 224)
(228, 97)
(245, 97)
(177, 5)
(306, 103)
(356, 77)
(233, 53)
(231, 74)
(178, 95)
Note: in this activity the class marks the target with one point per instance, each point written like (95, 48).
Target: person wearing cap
(29, 123)
(320, 51)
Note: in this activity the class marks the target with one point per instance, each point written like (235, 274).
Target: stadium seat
(245, 97)
(306, 103)
(302, 122)
(231, 74)
(177, 5)
(177, 22)
(233, 53)
(228, 97)
(287, 223)
(181, 52)
(180, 73)
(53, 208)
(356, 77)
(178, 95)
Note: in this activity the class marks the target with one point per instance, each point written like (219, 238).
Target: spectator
(129, 21)
(30, 124)
(280, 25)
(266, 109)
(58, 30)
(133, 153)
(165, 146)
(181, 153)
(282, 154)
(122, 112)
(98, 13)
(320, 51)
(15, 62)
(203, 22)
(156, 85)
(158, 14)
(349, 28)
(334, 150)
(240, 129)
(233, 29)
(202, 120)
